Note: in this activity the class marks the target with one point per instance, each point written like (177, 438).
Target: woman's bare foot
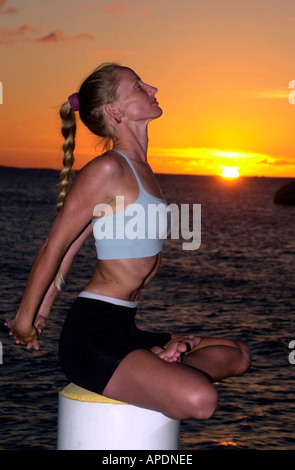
(191, 340)
(172, 351)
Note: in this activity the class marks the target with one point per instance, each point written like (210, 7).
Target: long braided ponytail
(68, 131)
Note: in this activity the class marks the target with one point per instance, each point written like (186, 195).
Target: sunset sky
(222, 67)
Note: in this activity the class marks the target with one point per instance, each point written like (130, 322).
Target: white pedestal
(88, 421)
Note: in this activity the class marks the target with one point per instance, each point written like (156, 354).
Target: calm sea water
(238, 284)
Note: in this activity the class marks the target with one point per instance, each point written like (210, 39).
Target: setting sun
(230, 172)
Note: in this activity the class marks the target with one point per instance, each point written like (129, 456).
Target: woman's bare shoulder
(96, 183)
(107, 165)
(103, 171)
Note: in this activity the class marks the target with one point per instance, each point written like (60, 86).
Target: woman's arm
(53, 290)
(40, 290)
(97, 183)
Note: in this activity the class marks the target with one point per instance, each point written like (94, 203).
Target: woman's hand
(40, 323)
(26, 336)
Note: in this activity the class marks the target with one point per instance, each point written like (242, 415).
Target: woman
(100, 347)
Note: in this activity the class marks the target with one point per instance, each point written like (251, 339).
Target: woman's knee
(202, 403)
(245, 359)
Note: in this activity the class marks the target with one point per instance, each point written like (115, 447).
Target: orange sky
(222, 68)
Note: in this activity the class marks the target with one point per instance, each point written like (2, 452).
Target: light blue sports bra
(137, 231)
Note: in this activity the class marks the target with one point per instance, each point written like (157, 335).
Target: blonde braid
(69, 131)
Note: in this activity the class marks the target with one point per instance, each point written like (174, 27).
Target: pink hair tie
(74, 101)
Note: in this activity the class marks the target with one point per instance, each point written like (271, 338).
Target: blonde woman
(101, 349)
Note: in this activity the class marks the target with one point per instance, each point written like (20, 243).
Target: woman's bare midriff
(124, 278)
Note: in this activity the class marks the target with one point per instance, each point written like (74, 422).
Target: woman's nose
(153, 90)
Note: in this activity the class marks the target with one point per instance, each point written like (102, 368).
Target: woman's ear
(114, 111)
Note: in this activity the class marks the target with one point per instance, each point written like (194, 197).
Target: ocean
(239, 284)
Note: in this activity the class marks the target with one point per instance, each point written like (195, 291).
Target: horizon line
(7, 167)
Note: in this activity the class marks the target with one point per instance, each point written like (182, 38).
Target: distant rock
(286, 194)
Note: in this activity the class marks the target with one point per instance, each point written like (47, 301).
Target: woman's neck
(133, 142)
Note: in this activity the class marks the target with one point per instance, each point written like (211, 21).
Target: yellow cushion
(74, 392)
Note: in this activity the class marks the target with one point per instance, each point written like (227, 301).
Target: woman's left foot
(173, 351)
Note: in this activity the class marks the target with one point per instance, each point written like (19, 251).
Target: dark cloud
(6, 8)
(60, 36)
(26, 33)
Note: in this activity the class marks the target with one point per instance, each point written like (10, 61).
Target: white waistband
(105, 298)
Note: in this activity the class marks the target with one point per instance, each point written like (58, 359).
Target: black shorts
(96, 336)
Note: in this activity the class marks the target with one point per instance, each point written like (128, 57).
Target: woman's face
(135, 98)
